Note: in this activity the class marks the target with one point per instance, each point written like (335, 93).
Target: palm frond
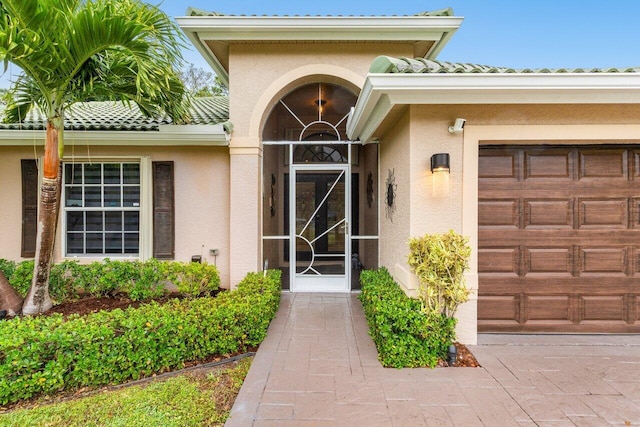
(78, 50)
(24, 96)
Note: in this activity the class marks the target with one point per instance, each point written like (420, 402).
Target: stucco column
(245, 207)
(467, 314)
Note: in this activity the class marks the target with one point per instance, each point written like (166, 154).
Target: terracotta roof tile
(387, 64)
(117, 116)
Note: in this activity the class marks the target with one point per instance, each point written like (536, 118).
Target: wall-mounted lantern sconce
(440, 163)
(458, 126)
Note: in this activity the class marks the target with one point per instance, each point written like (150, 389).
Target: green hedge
(140, 280)
(403, 334)
(47, 354)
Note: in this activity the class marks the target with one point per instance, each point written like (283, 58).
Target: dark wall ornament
(390, 194)
(369, 189)
(272, 198)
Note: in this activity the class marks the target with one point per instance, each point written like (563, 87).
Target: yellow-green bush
(439, 261)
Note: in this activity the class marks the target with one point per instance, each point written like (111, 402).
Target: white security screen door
(319, 224)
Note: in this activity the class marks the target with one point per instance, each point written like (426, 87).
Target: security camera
(458, 125)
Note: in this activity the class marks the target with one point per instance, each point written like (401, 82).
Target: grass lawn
(201, 397)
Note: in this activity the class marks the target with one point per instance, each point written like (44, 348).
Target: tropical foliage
(439, 261)
(78, 50)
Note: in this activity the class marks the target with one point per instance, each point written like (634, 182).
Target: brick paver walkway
(319, 367)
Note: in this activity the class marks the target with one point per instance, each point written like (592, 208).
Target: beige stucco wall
(261, 74)
(11, 199)
(201, 198)
(457, 208)
(259, 69)
(395, 158)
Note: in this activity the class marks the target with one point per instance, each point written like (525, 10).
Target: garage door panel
(559, 244)
(603, 261)
(603, 213)
(603, 307)
(502, 309)
(547, 164)
(499, 213)
(502, 165)
(549, 262)
(603, 164)
(546, 308)
(499, 261)
(635, 212)
(548, 213)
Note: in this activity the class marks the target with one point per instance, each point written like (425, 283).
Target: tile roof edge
(396, 65)
(196, 12)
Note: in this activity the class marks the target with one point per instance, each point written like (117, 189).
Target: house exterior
(329, 167)
(130, 184)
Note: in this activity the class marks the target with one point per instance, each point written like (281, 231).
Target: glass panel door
(321, 228)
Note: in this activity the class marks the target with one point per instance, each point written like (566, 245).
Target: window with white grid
(102, 208)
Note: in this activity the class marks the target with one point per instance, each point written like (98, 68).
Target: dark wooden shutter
(29, 207)
(163, 211)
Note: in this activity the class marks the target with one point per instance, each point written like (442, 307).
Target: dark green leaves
(403, 334)
(74, 51)
(46, 354)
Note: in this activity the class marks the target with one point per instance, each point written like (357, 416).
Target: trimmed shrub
(192, 279)
(404, 335)
(46, 354)
(65, 282)
(147, 280)
(139, 280)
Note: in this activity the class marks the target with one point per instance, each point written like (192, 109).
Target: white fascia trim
(208, 56)
(381, 92)
(439, 45)
(336, 28)
(169, 135)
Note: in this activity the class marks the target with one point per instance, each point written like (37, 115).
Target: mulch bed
(465, 358)
(92, 304)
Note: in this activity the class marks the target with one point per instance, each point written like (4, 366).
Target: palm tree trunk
(38, 299)
(9, 298)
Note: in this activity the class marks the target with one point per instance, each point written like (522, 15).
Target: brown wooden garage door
(559, 239)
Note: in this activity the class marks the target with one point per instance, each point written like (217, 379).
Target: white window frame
(145, 235)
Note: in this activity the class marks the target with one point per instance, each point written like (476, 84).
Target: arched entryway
(320, 215)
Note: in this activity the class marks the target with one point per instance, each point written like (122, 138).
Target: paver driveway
(319, 367)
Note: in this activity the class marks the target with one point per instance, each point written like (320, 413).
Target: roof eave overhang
(209, 56)
(199, 29)
(166, 136)
(383, 92)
